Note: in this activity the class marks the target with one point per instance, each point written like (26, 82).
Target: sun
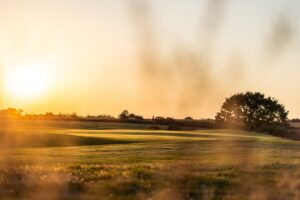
(27, 82)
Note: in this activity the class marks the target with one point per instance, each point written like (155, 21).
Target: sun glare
(27, 82)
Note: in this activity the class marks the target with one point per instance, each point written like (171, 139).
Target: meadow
(94, 160)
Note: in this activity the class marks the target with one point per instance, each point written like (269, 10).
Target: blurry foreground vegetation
(146, 164)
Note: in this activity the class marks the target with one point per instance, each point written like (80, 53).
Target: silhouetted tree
(49, 114)
(11, 112)
(252, 111)
(74, 115)
(124, 114)
(133, 116)
(295, 120)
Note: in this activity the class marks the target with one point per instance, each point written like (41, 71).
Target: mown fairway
(82, 160)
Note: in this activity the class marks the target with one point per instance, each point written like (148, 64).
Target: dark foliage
(174, 127)
(155, 127)
(164, 121)
(11, 112)
(295, 120)
(125, 115)
(252, 111)
(280, 131)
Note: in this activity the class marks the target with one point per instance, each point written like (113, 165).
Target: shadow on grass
(18, 140)
(204, 135)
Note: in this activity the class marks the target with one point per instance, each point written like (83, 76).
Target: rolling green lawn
(88, 160)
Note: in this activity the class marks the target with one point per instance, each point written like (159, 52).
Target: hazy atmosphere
(149, 99)
(159, 57)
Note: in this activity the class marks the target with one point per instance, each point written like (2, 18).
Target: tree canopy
(124, 115)
(251, 111)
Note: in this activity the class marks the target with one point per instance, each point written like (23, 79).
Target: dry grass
(212, 164)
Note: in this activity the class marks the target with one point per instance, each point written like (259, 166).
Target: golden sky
(161, 57)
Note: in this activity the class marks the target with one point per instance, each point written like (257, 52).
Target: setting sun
(27, 82)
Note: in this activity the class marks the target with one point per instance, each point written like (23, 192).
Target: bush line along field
(88, 160)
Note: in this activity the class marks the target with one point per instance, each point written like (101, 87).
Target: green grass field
(85, 160)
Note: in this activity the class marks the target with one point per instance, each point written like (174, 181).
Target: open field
(81, 160)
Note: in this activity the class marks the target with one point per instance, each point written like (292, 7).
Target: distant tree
(105, 117)
(124, 114)
(188, 118)
(49, 114)
(295, 120)
(74, 115)
(252, 111)
(11, 112)
(132, 116)
(138, 117)
(170, 119)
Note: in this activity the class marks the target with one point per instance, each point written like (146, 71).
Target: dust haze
(186, 80)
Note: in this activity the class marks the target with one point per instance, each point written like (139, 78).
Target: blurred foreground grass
(135, 163)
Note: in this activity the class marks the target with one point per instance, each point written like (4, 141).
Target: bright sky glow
(96, 48)
(27, 82)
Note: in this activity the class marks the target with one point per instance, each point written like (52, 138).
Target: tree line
(251, 111)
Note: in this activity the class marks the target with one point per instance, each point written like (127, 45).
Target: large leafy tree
(251, 111)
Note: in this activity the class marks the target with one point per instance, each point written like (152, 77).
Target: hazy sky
(174, 58)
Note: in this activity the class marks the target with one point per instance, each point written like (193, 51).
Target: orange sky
(175, 58)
